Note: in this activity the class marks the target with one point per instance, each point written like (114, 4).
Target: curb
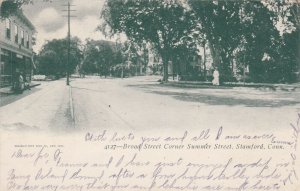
(289, 88)
(271, 87)
(10, 92)
(7, 93)
(34, 85)
(200, 86)
(71, 105)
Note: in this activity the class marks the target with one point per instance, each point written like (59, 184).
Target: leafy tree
(261, 38)
(288, 16)
(49, 63)
(10, 7)
(53, 56)
(162, 23)
(134, 55)
(269, 51)
(220, 23)
(245, 32)
(99, 57)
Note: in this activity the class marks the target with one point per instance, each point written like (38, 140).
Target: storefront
(13, 63)
(16, 51)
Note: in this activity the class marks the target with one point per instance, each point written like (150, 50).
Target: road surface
(142, 104)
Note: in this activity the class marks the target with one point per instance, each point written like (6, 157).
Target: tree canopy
(247, 32)
(99, 57)
(241, 35)
(163, 23)
(10, 7)
(52, 59)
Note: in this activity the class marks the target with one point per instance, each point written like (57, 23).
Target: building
(154, 61)
(16, 40)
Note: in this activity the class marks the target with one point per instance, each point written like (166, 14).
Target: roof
(24, 19)
(12, 8)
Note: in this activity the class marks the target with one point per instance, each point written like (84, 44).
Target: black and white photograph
(149, 95)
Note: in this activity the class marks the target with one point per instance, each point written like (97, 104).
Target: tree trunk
(178, 68)
(215, 54)
(298, 55)
(225, 65)
(173, 69)
(204, 61)
(166, 75)
(165, 69)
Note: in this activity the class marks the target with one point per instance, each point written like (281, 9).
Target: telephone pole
(69, 40)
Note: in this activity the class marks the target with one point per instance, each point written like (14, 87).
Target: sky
(50, 23)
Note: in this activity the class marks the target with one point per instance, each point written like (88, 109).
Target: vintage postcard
(149, 95)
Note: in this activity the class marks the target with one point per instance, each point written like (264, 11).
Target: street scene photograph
(148, 64)
(149, 95)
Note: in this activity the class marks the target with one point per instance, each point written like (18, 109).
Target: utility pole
(204, 59)
(69, 40)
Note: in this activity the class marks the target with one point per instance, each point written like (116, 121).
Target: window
(27, 40)
(16, 34)
(22, 37)
(8, 31)
(33, 40)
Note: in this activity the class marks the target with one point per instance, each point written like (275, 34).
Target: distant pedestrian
(216, 81)
(26, 82)
(18, 85)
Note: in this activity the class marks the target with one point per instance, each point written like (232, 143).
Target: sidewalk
(227, 85)
(7, 90)
(38, 109)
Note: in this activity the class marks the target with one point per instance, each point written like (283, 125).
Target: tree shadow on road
(217, 99)
(6, 99)
(229, 101)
